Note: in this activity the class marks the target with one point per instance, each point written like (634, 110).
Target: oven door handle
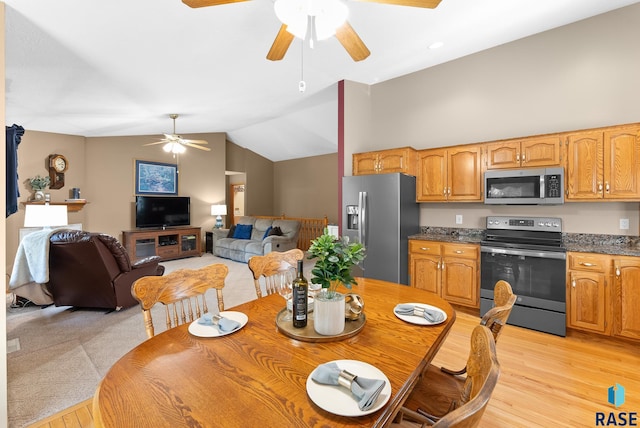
(525, 253)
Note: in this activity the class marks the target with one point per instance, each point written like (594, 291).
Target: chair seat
(435, 392)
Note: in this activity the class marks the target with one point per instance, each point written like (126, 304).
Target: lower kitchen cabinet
(603, 294)
(447, 269)
(626, 297)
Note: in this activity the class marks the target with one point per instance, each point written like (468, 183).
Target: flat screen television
(162, 211)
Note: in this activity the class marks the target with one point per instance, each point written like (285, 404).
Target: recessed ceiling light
(436, 45)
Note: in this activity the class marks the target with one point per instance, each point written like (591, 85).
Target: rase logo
(615, 397)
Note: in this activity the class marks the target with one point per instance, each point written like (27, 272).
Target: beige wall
(358, 123)
(583, 75)
(307, 187)
(33, 154)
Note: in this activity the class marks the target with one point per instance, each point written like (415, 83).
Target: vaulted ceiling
(120, 67)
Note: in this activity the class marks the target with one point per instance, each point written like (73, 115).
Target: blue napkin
(428, 314)
(366, 391)
(224, 325)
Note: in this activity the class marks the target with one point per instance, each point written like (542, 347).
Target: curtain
(14, 136)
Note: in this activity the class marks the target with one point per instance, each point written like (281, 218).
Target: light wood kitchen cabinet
(603, 294)
(524, 153)
(603, 164)
(626, 297)
(588, 292)
(385, 161)
(446, 269)
(450, 174)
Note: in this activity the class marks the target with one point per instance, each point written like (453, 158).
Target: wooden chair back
(182, 292)
(483, 370)
(268, 269)
(461, 403)
(497, 317)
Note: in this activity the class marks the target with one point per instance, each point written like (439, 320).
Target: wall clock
(58, 165)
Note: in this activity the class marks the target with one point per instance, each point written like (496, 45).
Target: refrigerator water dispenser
(352, 217)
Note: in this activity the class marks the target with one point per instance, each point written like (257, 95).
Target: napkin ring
(346, 379)
(354, 305)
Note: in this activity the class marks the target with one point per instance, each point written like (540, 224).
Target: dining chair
(496, 317)
(267, 269)
(440, 400)
(182, 292)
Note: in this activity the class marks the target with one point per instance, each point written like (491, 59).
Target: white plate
(414, 319)
(338, 399)
(202, 330)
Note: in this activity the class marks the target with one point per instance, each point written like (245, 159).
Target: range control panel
(541, 224)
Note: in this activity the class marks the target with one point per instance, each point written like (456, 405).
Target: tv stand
(167, 243)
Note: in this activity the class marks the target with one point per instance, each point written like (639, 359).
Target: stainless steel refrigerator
(381, 212)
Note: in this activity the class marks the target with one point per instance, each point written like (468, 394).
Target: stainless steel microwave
(539, 186)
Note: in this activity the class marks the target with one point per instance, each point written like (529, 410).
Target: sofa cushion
(260, 228)
(232, 230)
(243, 231)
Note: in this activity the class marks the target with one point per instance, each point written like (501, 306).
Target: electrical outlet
(459, 219)
(624, 224)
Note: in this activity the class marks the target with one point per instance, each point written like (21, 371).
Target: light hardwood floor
(545, 380)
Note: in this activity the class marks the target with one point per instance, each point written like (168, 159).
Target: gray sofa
(257, 244)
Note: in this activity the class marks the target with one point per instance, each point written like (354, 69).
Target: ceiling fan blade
(352, 43)
(429, 4)
(195, 146)
(205, 3)
(194, 141)
(153, 144)
(280, 44)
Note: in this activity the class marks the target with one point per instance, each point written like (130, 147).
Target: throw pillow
(243, 231)
(275, 231)
(266, 232)
(232, 230)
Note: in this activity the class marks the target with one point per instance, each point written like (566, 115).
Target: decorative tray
(308, 334)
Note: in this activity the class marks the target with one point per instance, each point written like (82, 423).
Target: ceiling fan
(309, 16)
(174, 143)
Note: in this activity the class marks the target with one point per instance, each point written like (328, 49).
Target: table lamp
(45, 216)
(218, 211)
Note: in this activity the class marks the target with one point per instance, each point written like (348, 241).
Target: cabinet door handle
(587, 264)
(442, 266)
(425, 248)
(573, 283)
(599, 187)
(606, 186)
(438, 267)
(617, 271)
(523, 158)
(401, 159)
(449, 191)
(518, 157)
(458, 251)
(444, 192)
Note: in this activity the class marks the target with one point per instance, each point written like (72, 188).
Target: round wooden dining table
(257, 375)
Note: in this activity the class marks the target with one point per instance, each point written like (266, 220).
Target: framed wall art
(156, 178)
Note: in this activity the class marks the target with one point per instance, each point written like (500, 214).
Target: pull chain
(302, 86)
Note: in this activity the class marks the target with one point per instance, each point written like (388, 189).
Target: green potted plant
(38, 184)
(335, 257)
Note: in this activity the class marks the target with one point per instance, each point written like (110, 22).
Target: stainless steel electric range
(527, 252)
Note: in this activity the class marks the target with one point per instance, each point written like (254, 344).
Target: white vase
(328, 314)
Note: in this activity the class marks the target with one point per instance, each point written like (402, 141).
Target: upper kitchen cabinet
(603, 164)
(450, 174)
(385, 161)
(524, 153)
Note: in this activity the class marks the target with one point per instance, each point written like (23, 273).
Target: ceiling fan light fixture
(175, 148)
(328, 16)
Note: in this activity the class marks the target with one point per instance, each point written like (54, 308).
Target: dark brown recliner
(93, 270)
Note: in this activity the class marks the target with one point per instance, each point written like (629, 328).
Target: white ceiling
(120, 67)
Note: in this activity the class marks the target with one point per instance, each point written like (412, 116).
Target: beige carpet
(64, 353)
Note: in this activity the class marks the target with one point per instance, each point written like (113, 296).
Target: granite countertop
(617, 245)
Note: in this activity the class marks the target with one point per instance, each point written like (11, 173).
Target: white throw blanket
(31, 267)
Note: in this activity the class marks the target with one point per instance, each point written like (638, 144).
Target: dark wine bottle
(299, 300)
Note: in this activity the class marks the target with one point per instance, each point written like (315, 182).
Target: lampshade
(325, 16)
(45, 215)
(218, 210)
